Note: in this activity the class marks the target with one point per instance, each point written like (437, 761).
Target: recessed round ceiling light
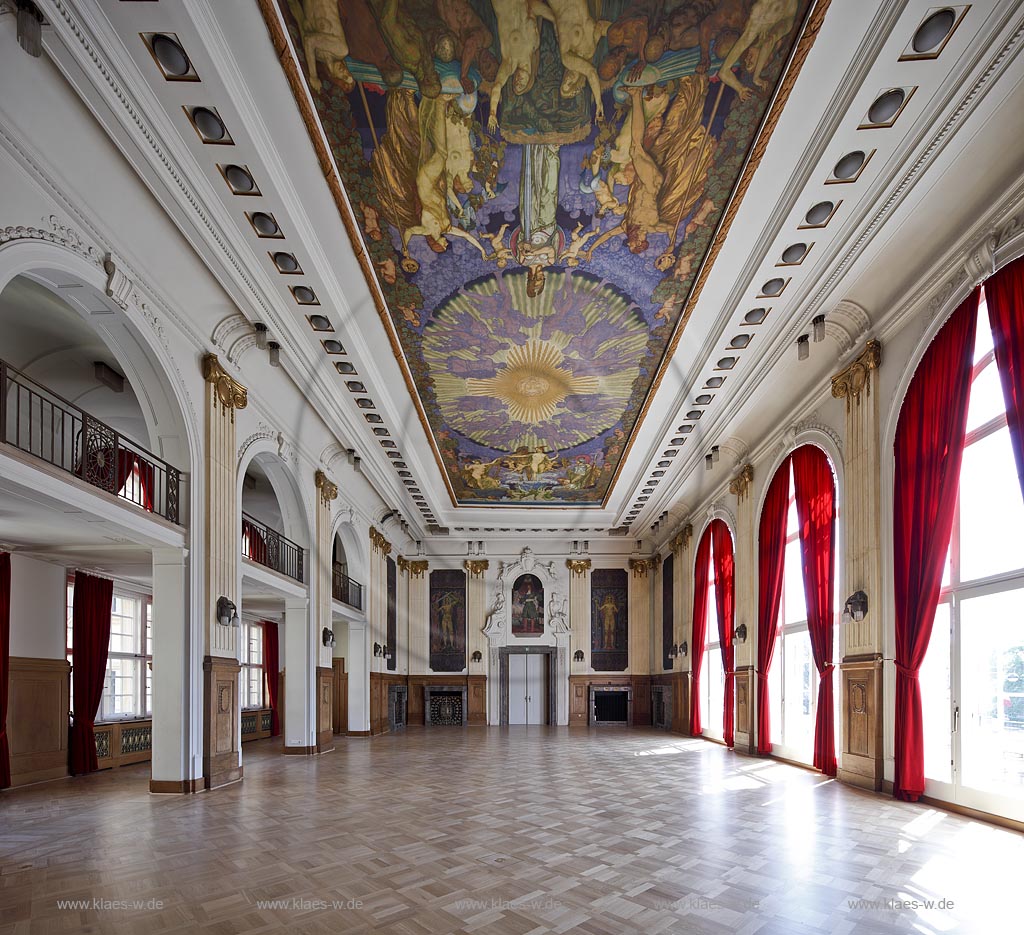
(400, 464)
(354, 386)
(372, 417)
(334, 347)
(387, 443)
(715, 382)
(755, 316)
(286, 262)
(343, 366)
(794, 253)
(704, 399)
(726, 363)
(642, 499)
(669, 453)
(694, 414)
(740, 341)
(653, 483)
(320, 322)
(209, 124)
(886, 105)
(304, 295)
(240, 180)
(676, 441)
(657, 473)
(364, 403)
(170, 55)
(773, 286)
(648, 490)
(684, 429)
(664, 464)
(265, 224)
(933, 30)
(381, 432)
(849, 165)
(819, 213)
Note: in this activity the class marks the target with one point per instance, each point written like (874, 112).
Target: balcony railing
(39, 422)
(269, 548)
(344, 589)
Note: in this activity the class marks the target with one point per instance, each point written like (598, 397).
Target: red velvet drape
(90, 643)
(5, 664)
(815, 491)
(929, 449)
(1004, 295)
(725, 604)
(126, 461)
(701, 576)
(770, 565)
(254, 542)
(271, 659)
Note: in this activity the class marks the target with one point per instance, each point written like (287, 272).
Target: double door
(527, 688)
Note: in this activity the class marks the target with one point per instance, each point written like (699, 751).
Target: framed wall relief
(609, 619)
(448, 620)
(667, 621)
(392, 619)
(527, 606)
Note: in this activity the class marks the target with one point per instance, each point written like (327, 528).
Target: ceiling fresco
(537, 184)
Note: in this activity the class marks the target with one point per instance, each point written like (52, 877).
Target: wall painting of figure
(447, 621)
(609, 620)
(527, 606)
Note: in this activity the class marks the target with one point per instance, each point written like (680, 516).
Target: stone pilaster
(323, 618)
(377, 598)
(682, 593)
(419, 617)
(579, 614)
(746, 605)
(861, 668)
(476, 608)
(222, 717)
(640, 592)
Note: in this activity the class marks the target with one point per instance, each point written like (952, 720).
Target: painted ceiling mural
(537, 183)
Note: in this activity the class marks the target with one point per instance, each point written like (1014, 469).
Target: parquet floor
(521, 830)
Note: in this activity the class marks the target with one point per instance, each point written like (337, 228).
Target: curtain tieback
(827, 667)
(905, 671)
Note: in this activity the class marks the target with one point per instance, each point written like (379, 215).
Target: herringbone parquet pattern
(524, 830)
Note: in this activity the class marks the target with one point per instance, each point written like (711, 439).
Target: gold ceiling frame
(282, 44)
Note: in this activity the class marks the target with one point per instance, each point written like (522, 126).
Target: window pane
(801, 694)
(983, 337)
(992, 715)
(714, 693)
(935, 699)
(119, 688)
(991, 509)
(793, 601)
(775, 691)
(986, 396)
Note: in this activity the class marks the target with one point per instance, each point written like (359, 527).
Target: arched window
(714, 674)
(972, 679)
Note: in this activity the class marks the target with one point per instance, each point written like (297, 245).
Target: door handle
(956, 719)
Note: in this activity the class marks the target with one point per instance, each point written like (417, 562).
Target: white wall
(38, 601)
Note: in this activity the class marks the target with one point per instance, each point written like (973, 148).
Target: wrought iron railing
(344, 589)
(269, 548)
(39, 422)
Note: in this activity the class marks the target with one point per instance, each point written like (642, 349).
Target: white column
(579, 614)
(419, 619)
(640, 616)
(358, 678)
(300, 657)
(172, 675)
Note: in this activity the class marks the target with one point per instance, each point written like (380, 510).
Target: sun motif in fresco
(537, 184)
(560, 379)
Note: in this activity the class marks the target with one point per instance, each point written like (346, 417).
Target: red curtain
(126, 461)
(90, 643)
(700, 626)
(725, 604)
(1004, 294)
(5, 663)
(254, 542)
(270, 670)
(928, 449)
(815, 491)
(770, 564)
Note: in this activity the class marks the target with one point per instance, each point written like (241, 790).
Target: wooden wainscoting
(379, 683)
(862, 721)
(221, 741)
(641, 700)
(415, 713)
(681, 703)
(477, 700)
(255, 724)
(339, 718)
(120, 743)
(745, 709)
(37, 719)
(579, 695)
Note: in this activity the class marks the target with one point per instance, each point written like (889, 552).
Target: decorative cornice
(229, 391)
(855, 378)
(640, 566)
(681, 540)
(418, 569)
(476, 566)
(378, 542)
(328, 490)
(578, 566)
(740, 484)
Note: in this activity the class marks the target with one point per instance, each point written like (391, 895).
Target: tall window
(972, 680)
(252, 680)
(128, 683)
(713, 674)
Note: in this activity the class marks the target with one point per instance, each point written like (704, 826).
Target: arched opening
(265, 517)
(798, 627)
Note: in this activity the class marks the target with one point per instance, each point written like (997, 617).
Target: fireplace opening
(611, 706)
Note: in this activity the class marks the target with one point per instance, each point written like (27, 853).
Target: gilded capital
(682, 538)
(578, 566)
(855, 378)
(230, 393)
(402, 563)
(640, 566)
(476, 566)
(418, 569)
(328, 490)
(378, 542)
(741, 483)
